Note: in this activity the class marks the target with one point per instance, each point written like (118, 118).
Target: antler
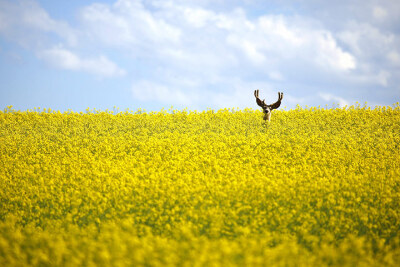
(277, 103)
(258, 100)
(262, 103)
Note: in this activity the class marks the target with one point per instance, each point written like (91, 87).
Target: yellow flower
(313, 187)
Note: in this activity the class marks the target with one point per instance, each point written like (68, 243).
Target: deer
(268, 108)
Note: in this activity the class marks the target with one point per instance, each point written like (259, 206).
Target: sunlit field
(313, 187)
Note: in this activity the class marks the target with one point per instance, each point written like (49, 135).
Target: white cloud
(394, 57)
(209, 44)
(214, 53)
(249, 48)
(153, 91)
(276, 75)
(126, 23)
(334, 99)
(277, 38)
(234, 93)
(329, 54)
(26, 23)
(65, 59)
(379, 12)
(198, 17)
(380, 78)
(205, 39)
(383, 77)
(235, 98)
(365, 40)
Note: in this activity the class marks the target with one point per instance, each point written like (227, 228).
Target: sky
(155, 54)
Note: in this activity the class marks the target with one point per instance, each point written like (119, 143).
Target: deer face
(267, 110)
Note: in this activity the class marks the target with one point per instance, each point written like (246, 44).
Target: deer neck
(267, 116)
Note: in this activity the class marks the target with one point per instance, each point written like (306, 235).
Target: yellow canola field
(313, 187)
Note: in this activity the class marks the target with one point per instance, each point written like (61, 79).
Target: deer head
(268, 108)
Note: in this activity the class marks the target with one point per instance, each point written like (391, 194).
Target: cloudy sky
(154, 54)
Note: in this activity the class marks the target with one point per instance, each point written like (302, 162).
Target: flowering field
(214, 188)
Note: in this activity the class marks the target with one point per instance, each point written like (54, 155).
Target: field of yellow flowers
(313, 187)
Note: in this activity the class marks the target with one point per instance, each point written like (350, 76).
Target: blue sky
(154, 54)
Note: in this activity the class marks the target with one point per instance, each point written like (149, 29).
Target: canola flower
(314, 187)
